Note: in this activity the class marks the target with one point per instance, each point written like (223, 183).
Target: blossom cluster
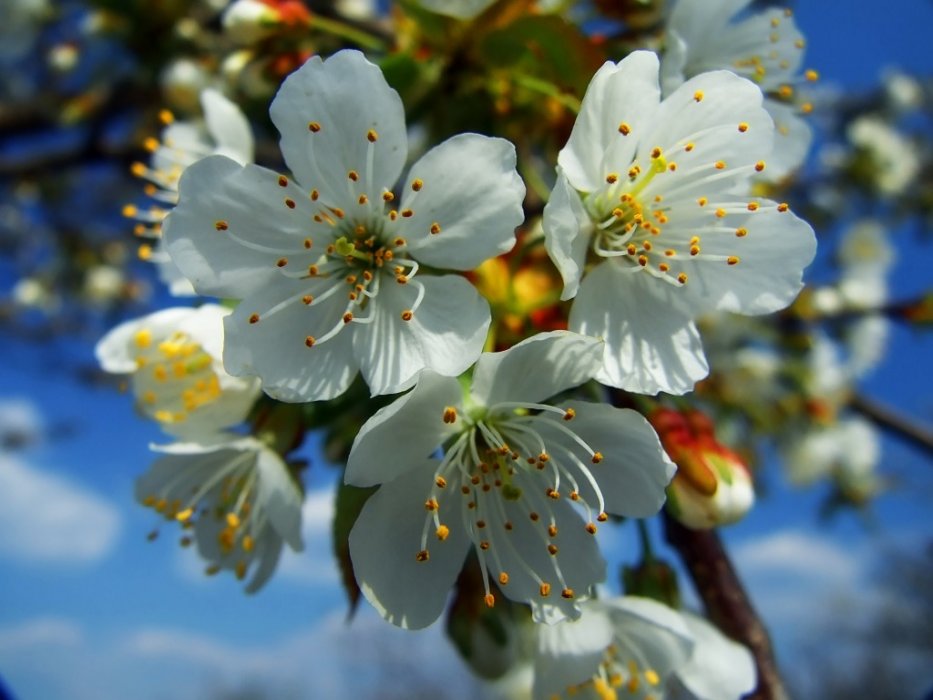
(359, 262)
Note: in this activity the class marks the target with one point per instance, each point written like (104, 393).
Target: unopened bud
(712, 486)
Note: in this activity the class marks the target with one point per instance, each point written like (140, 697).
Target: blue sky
(91, 610)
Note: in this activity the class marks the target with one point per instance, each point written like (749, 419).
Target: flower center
(512, 466)
(174, 377)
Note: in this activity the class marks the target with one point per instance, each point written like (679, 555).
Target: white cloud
(40, 632)
(47, 518)
(798, 554)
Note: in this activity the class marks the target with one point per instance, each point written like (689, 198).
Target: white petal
(578, 563)
(383, 545)
(278, 496)
(446, 333)
(654, 634)
(258, 227)
(269, 548)
(719, 668)
(347, 97)
(792, 139)
(634, 470)
(624, 92)
(769, 273)
(569, 653)
(228, 126)
(470, 189)
(567, 230)
(275, 349)
(711, 124)
(404, 433)
(651, 343)
(117, 351)
(536, 368)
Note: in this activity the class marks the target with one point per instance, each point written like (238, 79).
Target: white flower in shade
(173, 358)
(893, 164)
(224, 130)
(633, 647)
(513, 481)
(328, 270)
(866, 257)
(849, 449)
(765, 47)
(650, 223)
(233, 496)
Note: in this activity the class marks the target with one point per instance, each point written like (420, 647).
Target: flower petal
(228, 126)
(569, 653)
(626, 92)
(769, 271)
(340, 115)
(409, 429)
(267, 335)
(792, 140)
(446, 332)
(654, 635)
(536, 368)
(279, 496)
(719, 669)
(567, 230)
(634, 470)
(234, 223)
(384, 543)
(469, 192)
(117, 352)
(651, 343)
(521, 545)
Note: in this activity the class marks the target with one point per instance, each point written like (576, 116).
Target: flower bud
(249, 21)
(712, 485)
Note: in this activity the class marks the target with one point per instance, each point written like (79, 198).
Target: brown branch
(726, 601)
(914, 433)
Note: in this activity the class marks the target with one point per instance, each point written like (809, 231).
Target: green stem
(345, 31)
(549, 89)
(647, 551)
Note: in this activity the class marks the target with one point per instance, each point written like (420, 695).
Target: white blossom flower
(893, 164)
(224, 130)
(233, 496)
(637, 648)
(765, 47)
(651, 210)
(328, 270)
(514, 478)
(174, 359)
(849, 449)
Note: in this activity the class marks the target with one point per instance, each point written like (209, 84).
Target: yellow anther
(624, 129)
(682, 278)
(552, 549)
(753, 206)
(450, 414)
(652, 677)
(407, 315)
(732, 260)
(143, 338)
(289, 202)
(372, 136)
(782, 207)
(417, 184)
(435, 228)
(247, 543)
(743, 127)
(597, 457)
(655, 153)
(490, 600)
(786, 91)
(720, 213)
(702, 201)
(741, 232)
(241, 570)
(698, 96)
(130, 211)
(503, 579)
(442, 532)
(314, 127)
(569, 414)
(591, 528)
(811, 75)
(184, 515)
(166, 117)
(612, 178)
(254, 318)
(387, 196)
(309, 341)
(567, 594)
(689, 147)
(720, 165)
(233, 520)
(544, 589)
(431, 504)
(423, 555)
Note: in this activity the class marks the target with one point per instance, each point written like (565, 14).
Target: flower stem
(345, 31)
(549, 89)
